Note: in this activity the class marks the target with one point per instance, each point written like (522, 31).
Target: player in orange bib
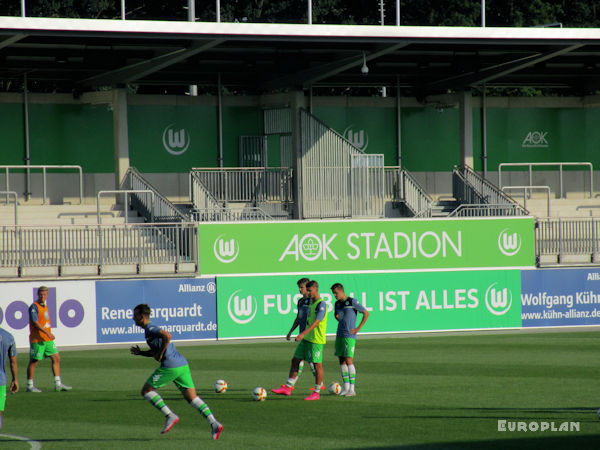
(41, 342)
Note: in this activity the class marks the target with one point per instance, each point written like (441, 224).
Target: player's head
(302, 286)
(42, 294)
(141, 314)
(338, 291)
(312, 289)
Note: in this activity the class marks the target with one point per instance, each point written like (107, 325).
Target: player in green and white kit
(303, 308)
(311, 343)
(346, 310)
(173, 368)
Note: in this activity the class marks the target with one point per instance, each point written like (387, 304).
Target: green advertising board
(397, 302)
(382, 245)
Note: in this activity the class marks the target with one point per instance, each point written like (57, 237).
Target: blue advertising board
(560, 297)
(186, 308)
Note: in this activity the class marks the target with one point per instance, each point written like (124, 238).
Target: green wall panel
(59, 134)
(149, 139)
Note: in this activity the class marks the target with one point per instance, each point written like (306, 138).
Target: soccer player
(346, 310)
(303, 307)
(8, 350)
(311, 342)
(41, 342)
(173, 367)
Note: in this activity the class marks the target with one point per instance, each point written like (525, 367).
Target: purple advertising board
(186, 308)
(560, 297)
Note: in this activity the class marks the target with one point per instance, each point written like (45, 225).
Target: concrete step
(49, 215)
(570, 207)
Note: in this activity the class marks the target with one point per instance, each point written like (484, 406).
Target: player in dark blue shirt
(173, 367)
(8, 351)
(346, 310)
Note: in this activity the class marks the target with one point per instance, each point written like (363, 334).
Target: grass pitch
(427, 392)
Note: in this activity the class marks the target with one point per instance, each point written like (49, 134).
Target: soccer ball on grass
(259, 394)
(220, 386)
(334, 388)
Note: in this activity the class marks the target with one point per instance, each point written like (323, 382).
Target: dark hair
(312, 283)
(302, 281)
(143, 309)
(337, 286)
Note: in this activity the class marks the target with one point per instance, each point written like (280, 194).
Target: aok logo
(498, 301)
(226, 250)
(16, 313)
(535, 139)
(309, 247)
(358, 138)
(509, 243)
(241, 309)
(175, 142)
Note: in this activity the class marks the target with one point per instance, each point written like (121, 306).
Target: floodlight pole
(309, 13)
(192, 88)
(218, 10)
(122, 9)
(483, 13)
(23, 13)
(381, 13)
(397, 13)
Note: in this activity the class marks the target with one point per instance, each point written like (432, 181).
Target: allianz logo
(359, 138)
(241, 309)
(226, 250)
(498, 300)
(509, 243)
(176, 142)
(535, 139)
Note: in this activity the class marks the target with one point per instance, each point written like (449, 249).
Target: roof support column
(465, 112)
(296, 103)
(120, 134)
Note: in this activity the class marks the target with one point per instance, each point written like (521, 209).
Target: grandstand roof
(82, 53)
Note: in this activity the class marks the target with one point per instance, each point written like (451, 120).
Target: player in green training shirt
(311, 343)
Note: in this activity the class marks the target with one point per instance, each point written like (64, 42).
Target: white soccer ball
(220, 386)
(334, 388)
(259, 394)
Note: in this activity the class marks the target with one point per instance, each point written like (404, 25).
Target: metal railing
(84, 245)
(200, 195)
(401, 186)
(13, 193)
(246, 184)
(159, 209)
(126, 193)
(43, 168)
(486, 210)
(568, 236)
(229, 215)
(469, 188)
(528, 189)
(560, 166)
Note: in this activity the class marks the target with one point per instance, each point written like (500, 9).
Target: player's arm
(136, 350)
(166, 339)
(294, 325)
(365, 313)
(33, 319)
(308, 330)
(14, 385)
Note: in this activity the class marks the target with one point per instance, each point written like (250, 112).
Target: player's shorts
(181, 376)
(344, 347)
(2, 397)
(309, 351)
(39, 350)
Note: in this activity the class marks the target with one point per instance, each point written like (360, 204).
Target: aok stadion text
(387, 300)
(371, 245)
